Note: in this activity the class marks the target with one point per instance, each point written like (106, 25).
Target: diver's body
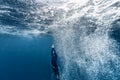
(54, 62)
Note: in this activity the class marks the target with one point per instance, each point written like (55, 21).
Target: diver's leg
(57, 76)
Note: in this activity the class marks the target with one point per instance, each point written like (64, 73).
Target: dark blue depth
(25, 58)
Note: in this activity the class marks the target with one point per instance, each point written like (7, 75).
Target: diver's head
(52, 46)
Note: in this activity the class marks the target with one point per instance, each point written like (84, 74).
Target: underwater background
(24, 58)
(86, 35)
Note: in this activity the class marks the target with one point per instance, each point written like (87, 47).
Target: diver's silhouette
(54, 62)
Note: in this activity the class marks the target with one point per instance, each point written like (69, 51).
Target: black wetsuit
(54, 63)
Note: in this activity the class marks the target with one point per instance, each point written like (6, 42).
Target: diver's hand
(53, 67)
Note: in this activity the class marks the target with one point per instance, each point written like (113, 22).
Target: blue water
(24, 58)
(86, 37)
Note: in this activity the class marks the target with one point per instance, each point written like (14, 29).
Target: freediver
(54, 62)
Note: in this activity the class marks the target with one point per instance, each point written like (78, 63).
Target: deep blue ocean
(24, 58)
(86, 35)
